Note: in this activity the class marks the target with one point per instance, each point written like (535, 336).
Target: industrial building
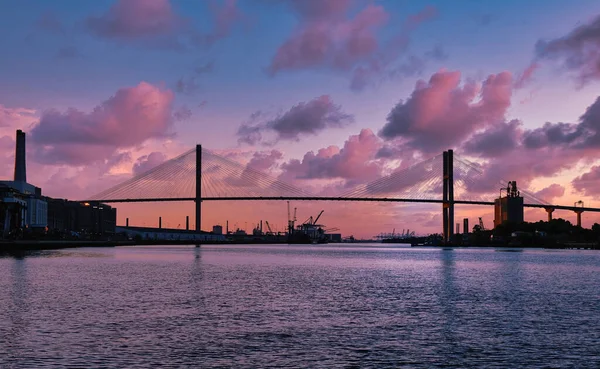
(509, 208)
(23, 208)
(87, 218)
(146, 233)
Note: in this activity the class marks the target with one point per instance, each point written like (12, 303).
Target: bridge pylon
(448, 195)
(198, 198)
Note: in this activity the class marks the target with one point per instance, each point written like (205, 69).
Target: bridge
(222, 179)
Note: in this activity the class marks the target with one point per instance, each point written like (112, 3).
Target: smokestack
(20, 169)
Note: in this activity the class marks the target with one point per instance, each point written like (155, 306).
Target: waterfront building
(147, 233)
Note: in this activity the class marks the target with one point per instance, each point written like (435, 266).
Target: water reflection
(254, 306)
(15, 316)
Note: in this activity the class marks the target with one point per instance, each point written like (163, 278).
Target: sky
(325, 95)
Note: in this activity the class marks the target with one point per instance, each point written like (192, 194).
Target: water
(296, 306)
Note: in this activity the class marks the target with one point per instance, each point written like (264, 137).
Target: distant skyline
(319, 93)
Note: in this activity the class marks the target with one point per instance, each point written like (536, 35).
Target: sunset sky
(322, 94)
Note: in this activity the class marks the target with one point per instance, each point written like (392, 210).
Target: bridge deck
(325, 198)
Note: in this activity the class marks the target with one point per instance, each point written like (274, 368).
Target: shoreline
(40, 245)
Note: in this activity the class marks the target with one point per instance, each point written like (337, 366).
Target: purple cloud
(305, 118)
(578, 51)
(147, 162)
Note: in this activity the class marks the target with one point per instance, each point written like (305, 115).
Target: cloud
(578, 51)
(551, 192)
(147, 162)
(437, 53)
(16, 118)
(582, 135)
(155, 23)
(79, 183)
(189, 85)
(355, 162)
(495, 141)
(385, 63)
(264, 161)
(305, 118)
(441, 113)
(130, 117)
(526, 76)
(587, 183)
(331, 35)
(182, 113)
(326, 37)
(134, 19)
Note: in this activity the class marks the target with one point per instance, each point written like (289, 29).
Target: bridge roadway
(324, 198)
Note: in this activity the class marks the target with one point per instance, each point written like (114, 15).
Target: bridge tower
(198, 199)
(448, 195)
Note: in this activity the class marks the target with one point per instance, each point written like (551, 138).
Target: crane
(318, 216)
(291, 222)
(269, 228)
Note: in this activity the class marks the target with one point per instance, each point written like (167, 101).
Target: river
(300, 306)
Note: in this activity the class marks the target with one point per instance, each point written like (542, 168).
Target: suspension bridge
(223, 179)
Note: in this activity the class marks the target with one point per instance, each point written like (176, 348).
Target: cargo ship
(404, 237)
(309, 232)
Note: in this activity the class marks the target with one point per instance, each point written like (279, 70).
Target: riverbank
(39, 245)
(33, 245)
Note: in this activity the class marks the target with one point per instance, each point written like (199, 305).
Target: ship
(309, 232)
(404, 237)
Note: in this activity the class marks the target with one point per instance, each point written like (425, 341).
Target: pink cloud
(16, 118)
(130, 117)
(328, 37)
(79, 183)
(526, 76)
(551, 192)
(441, 113)
(354, 163)
(325, 37)
(264, 161)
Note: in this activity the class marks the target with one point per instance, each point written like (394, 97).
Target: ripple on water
(279, 306)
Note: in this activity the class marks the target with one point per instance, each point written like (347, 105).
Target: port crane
(310, 220)
(270, 233)
(291, 222)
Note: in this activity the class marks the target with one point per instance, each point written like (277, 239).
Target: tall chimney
(20, 169)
